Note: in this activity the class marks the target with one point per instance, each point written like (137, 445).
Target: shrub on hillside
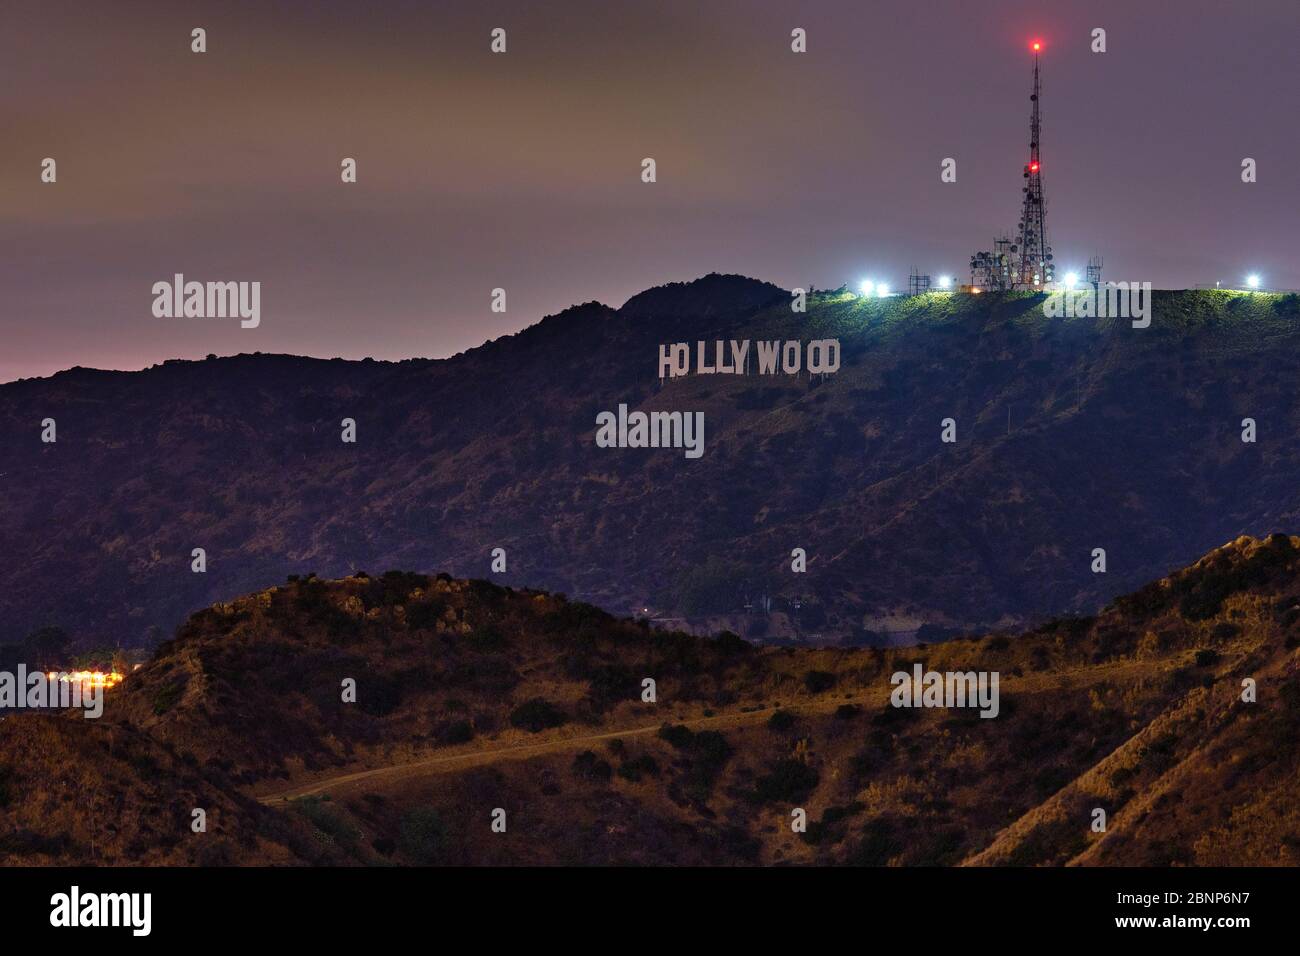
(818, 682)
(378, 695)
(330, 822)
(455, 732)
(880, 842)
(425, 615)
(392, 587)
(781, 721)
(587, 766)
(705, 754)
(423, 836)
(1206, 657)
(1145, 602)
(637, 767)
(789, 781)
(536, 715)
(676, 734)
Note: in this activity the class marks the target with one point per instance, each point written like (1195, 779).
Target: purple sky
(522, 170)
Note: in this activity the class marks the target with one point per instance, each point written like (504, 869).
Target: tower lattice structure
(1032, 263)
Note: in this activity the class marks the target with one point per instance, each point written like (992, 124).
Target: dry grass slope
(472, 697)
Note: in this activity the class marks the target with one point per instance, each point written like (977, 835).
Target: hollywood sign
(819, 357)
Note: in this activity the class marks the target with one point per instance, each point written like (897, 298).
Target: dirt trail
(450, 763)
(447, 763)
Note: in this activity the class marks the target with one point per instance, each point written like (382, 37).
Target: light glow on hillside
(88, 679)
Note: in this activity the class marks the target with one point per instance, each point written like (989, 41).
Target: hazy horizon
(522, 170)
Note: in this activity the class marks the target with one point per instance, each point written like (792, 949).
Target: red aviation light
(1037, 45)
(1033, 167)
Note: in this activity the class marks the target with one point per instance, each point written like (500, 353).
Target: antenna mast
(1034, 256)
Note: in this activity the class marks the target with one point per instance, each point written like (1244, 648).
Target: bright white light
(882, 290)
(945, 282)
(1252, 281)
(1071, 280)
(868, 287)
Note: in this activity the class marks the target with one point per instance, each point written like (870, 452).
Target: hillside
(1072, 434)
(472, 697)
(255, 686)
(87, 792)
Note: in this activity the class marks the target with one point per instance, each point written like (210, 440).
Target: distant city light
(945, 282)
(882, 290)
(868, 287)
(88, 679)
(1071, 280)
(1252, 280)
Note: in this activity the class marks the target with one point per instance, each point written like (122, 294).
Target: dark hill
(712, 295)
(471, 697)
(1072, 435)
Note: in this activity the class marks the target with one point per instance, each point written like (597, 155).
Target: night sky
(522, 170)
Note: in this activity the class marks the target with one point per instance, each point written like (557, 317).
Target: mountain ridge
(1119, 438)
